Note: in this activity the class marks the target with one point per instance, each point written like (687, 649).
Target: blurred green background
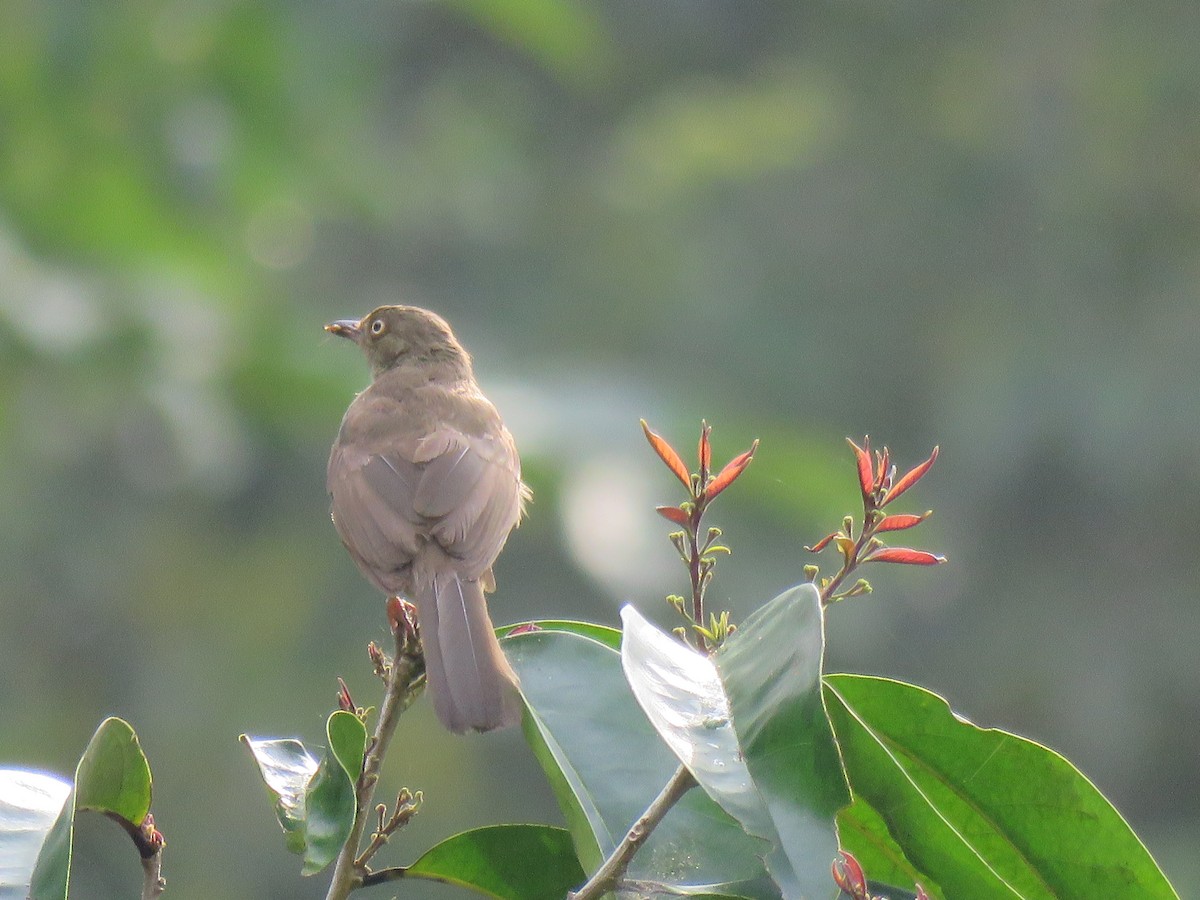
(976, 225)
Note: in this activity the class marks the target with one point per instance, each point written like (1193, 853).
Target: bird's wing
(371, 499)
(470, 492)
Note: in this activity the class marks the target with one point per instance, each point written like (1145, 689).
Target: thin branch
(153, 884)
(402, 689)
(611, 872)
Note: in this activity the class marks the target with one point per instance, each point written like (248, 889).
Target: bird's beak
(347, 328)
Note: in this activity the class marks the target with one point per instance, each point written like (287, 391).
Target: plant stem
(153, 884)
(611, 872)
(397, 697)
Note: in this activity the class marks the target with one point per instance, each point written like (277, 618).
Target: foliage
(808, 782)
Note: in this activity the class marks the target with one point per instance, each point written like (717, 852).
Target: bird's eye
(377, 326)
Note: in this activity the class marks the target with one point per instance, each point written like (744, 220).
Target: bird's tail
(472, 685)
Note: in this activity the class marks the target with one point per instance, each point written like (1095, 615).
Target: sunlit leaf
(509, 862)
(30, 803)
(606, 764)
(314, 797)
(982, 812)
(750, 726)
(112, 778)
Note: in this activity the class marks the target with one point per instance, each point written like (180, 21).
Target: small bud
(379, 661)
(704, 451)
(811, 572)
(848, 875)
(345, 703)
(677, 539)
(848, 526)
(680, 633)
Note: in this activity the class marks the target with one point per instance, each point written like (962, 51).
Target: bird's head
(396, 336)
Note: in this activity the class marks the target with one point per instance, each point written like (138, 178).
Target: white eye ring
(377, 326)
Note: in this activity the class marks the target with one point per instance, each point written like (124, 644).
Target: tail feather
(472, 685)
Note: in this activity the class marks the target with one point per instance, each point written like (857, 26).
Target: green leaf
(606, 764)
(113, 778)
(330, 801)
(750, 725)
(30, 803)
(314, 799)
(509, 862)
(863, 832)
(609, 637)
(982, 812)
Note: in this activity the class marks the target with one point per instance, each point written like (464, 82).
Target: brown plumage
(425, 485)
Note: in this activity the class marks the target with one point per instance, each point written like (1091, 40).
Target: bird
(425, 485)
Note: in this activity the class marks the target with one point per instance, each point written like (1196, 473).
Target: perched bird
(425, 485)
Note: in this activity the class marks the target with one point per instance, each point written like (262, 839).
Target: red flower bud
(345, 703)
(898, 522)
(668, 455)
(704, 452)
(866, 477)
(910, 478)
(733, 469)
(906, 556)
(672, 514)
(822, 543)
(848, 875)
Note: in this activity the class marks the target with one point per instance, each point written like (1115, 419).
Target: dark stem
(610, 873)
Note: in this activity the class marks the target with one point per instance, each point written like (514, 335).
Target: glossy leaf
(981, 812)
(330, 799)
(771, 669)
(509, 862)
(606, 764)
(112, 778)
(749, 724)
(30, 804)
(314, 798)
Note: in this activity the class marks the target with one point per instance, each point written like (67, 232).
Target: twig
(611, 872)
(402, 684)
(153, 884)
